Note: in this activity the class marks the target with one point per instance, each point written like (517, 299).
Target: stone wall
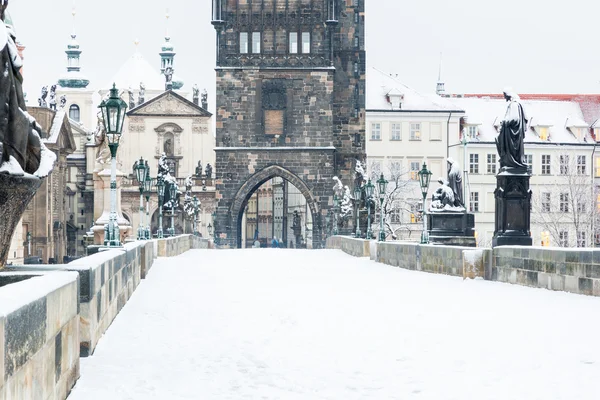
(445, 260)
(174, 246)
(352, 246)
(569, 270)
(39, 335)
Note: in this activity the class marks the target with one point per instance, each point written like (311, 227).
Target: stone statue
(338, 188)
(208, 171)
(199, 170)
(163, 166)
(131, 99)
(168, 147)
(359, 174)
(189, 183)
(297, 227)
(63, 101)
(103, 152)
(42, 99)
(142, 95)
(52, 100)
(204, 99)
(196, 96)
(168, 78)
(512, 133)
(443, 197)
(455, 182)
(346, 206)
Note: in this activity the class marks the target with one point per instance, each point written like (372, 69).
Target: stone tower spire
(73, 78)
(440, 84)
(167, 54)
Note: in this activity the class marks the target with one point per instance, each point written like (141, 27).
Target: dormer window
(543, 132)
(578, 127)
(472, 131)
(395, 98)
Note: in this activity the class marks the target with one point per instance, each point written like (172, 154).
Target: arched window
(74, 113)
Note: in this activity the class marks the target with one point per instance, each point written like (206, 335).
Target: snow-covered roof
(56, 126)
(596, 124)
(542, 113)
(135, 70)
(381, 85)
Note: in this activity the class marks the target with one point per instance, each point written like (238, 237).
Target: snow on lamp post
(147, 193)
(369, 187)
(424, 179)
(382, 186)
(113, 113)
(357, 196)
(141, 173)
(336, 204)
(173, 193)
(160, 187)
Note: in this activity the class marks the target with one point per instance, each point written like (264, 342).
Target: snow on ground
(302, 324)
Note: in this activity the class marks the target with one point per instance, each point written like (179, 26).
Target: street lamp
(113, 113)
(173, 193)
(357, 195)
(147, 193)
(141, 174)
(336, 204)
(381, 185)
(196, 209)
(210, 229)
(424, 179)
(160, 188)
(369, 187)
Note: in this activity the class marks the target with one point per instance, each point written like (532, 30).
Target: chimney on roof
(440, 90)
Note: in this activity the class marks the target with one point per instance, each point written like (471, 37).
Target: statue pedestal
(451, 228)
(513, 209)
(15, 194)
(102, 207)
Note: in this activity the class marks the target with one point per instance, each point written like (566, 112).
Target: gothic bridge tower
(290, 102)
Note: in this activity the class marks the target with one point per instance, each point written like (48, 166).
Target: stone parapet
(39, 334)
(349, 245)
(174, 246)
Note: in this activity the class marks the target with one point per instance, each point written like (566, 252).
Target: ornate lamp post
(424, 179)
(147, 193)
(160, 188)
(196, 210)
(357, 195)
(141, 173)
(382, 186)
(369, 187)
(336, 204)
(173, 193)
(113, 112)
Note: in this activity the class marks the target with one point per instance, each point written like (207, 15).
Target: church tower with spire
(73, 84)
(167, 55)
(440, 90)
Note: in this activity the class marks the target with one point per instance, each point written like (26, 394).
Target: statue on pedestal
(512, 133)
(208, 171)
(131, 98)
(199, 170)
(196, 95)
(449, 196)
(102, 152)
(142, 94)
(42, 100)
(52, 100)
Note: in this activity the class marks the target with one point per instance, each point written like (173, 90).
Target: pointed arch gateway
(255, 181)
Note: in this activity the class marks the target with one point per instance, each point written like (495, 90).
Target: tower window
(74, 112)
(306, 42)
(293, 42)
(244, 42)
(274, 104)
(256, 42)
(356, 42)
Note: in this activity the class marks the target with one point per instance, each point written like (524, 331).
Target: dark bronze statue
(208, 170)
(512, 133)
(19, 132)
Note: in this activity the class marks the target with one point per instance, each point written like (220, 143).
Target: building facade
(290, 102)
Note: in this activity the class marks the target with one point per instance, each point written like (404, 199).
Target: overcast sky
(530, 45)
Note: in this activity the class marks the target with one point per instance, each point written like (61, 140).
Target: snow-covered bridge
(301, 324)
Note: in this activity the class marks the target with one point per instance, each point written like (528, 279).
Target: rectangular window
(274, 122)
(396, 132)
(564, 165)
(356, 42)
(256, 42)
(376, 131)
(563, 239)
(491, 163)
(581, 170)
(546, 202)
(293, 42)
(581, 206)
(472, 132)
(414, 170)
(415, 213)
(306, 42)
(546, 164)
(543, 132)
(528, 159)
(473, 163)
(244, 42)
(580, 239)
(396, 216)
(415, 131)
(564, 202)
(474, 202)
(597, 167)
